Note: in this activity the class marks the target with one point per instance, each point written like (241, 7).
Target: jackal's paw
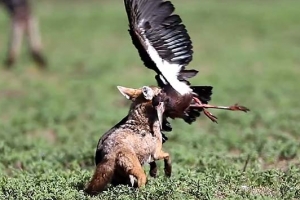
(133, 181)
(168, 171)
(142, 180)
(153, 173)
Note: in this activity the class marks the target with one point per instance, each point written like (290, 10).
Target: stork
(164, 46)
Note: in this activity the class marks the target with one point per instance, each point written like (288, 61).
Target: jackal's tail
(102, 176)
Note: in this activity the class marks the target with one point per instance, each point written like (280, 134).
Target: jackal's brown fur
(134, 141)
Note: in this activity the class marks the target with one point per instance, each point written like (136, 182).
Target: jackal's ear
(148, 92)
(129, 93)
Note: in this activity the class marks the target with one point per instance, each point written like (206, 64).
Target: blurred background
(249, 51)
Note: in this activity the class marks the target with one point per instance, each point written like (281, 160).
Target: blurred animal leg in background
(34, 40)
(16, 35)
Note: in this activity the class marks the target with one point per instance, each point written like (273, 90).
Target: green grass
(50, 122)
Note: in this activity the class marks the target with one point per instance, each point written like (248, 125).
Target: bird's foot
(239, 108)
(206, 112)
(210, 116)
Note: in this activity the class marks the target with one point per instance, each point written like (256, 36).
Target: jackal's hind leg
(129, 163)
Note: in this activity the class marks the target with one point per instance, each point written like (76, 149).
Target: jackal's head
(142, 98)
(144, 94)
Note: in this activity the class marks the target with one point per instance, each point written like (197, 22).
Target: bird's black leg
(166, 126)
(164, 137)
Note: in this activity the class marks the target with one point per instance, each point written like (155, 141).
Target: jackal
(135, 140)
(23, 21)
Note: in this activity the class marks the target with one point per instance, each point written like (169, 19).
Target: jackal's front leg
(167, 161)
(153, 169)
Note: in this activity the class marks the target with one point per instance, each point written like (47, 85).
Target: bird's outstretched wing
(161, 40)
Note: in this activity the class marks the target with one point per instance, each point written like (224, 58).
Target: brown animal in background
(23, 21)
(134, 141)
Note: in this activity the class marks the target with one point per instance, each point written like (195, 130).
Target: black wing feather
(154, 20)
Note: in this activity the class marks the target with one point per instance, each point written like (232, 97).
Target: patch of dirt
(281, 164)
(263, 191)
(255, 191)
(259, 191)
(220, 195)
(11, 93)
(49, 135)
(235, 152)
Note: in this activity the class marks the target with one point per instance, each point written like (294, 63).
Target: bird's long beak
(160, 109)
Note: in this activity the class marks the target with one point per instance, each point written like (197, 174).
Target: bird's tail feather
(203, 93)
